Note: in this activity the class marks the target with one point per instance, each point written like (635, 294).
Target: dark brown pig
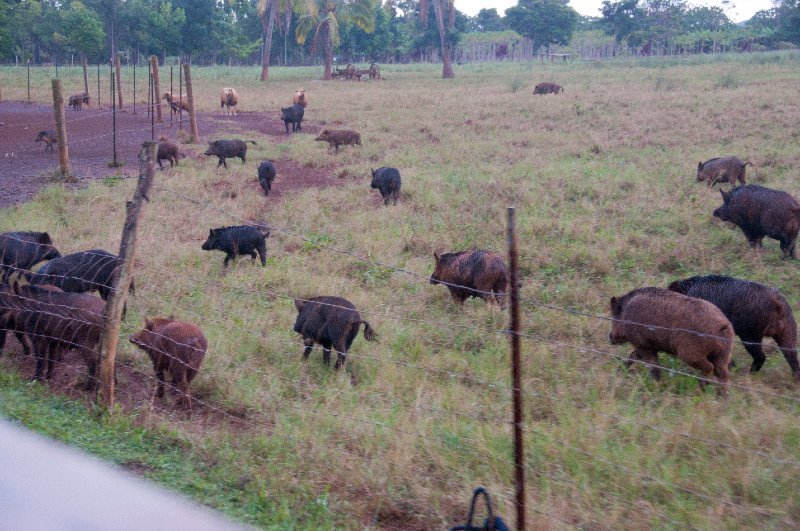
(175, 346)
(754, 310)
(331, 322)
(339, 137)
(475, 273)
(760, 212)
(722, 170)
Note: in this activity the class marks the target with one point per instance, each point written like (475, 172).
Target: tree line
(385, 31)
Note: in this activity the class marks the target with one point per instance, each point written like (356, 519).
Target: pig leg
(706, 368)
(787, 246)
(228, 258)
(182, 385)
(262, 252)
(309, 344)
(341, 360)
(160, 384)
(41, 353)
(326, 352)
(787, 343)
(91, 362)
(753, 346)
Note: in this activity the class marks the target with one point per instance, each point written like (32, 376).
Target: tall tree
(276, 9)
(323, 17)
(622, 19)
(441, 8)
(543, 21)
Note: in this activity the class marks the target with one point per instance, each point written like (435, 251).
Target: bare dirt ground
(25, 166)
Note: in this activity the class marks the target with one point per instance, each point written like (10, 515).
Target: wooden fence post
(61, 128)
(119, 82)
(156, 87)
(516, 379)
(187, 74)
(124, 275)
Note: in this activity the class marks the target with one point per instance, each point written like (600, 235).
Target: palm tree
(440, 8)
(323, 17)
(275, 9)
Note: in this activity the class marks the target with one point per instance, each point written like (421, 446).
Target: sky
(742, 10)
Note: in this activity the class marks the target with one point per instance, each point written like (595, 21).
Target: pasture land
(603, 180)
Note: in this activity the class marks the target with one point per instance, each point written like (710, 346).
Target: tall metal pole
(170, 91)
(29, 80)
(114, 119)
(134, 85)
(98, 86)
(519, 463)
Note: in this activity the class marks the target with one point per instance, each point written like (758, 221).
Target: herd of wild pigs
(694, 319)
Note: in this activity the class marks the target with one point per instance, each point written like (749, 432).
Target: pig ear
(373, 172)
(210, 232)
(44, 239)
(299, 304)
(147, 323)
(614, 302)
(726, 196)
(436, 256)
(699, 165)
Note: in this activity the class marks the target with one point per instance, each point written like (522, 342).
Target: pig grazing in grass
(19, 251)
(49, 138)
(754, 310)
(175, 346)
(236, 240)
(333, 322)
(760, 212)
(387, 180)
(657, 320)
(168, 150)
(227, 149)
(722, 170)
(547, 88)
(339, 137)
(475, 273)
(293, 115)
(266, 174)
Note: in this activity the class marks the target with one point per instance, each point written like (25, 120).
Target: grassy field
(602, 177)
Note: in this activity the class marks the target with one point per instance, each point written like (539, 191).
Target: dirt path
(25, 166)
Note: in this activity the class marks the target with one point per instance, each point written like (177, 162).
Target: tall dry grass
(603, 180)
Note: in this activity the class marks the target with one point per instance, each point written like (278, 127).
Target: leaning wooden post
(187, 74)
(516, 391)
(123, 276)
(156, 87)
(119, 81)
(61, 128)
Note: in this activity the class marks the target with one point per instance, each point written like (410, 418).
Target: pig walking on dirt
(657, 320)
(387, 180)
(49, 138)
(759, 212)
(56, 322)
(238, 240)
(722, 170)
(475, 273)
(293, 115)
(332, 322)
(21, 250)
(266, 174)
(227, 149)
(175, 346)
(168, 150)
(753, 309)
(339, 137)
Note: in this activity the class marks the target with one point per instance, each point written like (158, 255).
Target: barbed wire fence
(38, 317)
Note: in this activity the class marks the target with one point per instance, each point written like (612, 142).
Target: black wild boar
(175, 346)
(294, 115)
(657, 320)
(226, 149)
(8, 315)
(240, 239)
(387, 180)
(760, 212)
(339, 137)
(23, 250)
(81, 272)
(266, 174)
(753, 309)
(331, 322)
(168, 150)
(48, 137)
(547, 88)
(56, 322)
(722, 170)
(475, 273)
